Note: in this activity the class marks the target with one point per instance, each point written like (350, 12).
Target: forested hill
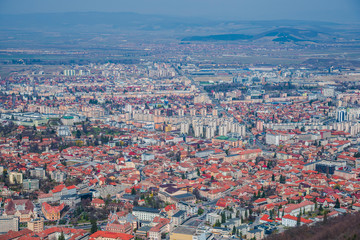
(341, 227)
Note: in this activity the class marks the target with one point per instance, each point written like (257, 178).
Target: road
(194, 218)
(100, 224)
(213, 202)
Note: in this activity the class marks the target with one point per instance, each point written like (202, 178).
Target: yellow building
(52, 213)
(168, 128)
(15, 178)
(36, 225)
(185, 233)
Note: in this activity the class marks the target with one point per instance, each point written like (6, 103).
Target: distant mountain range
(276, 35)
(95, 27)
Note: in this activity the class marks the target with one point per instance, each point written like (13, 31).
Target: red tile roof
(111, 235)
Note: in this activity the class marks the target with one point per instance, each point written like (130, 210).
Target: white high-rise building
(223, 130)
(210, 132)
(184, 127)
(203, 112)
(198, 130)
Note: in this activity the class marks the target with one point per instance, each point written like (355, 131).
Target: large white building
(291, 221)
(328, 92)
(145, 214)
(8, 223)
(272, 139)
(295, 209)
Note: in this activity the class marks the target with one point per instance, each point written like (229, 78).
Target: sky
(343, 11)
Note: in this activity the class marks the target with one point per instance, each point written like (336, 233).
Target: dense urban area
(193, 139)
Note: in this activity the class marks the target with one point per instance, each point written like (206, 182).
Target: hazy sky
(325, 10)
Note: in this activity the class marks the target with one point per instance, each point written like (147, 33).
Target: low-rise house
(98, 203)
(356, 206)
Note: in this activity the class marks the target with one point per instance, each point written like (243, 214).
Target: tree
(94, 227)
(321, 208)
(223, 218)
(234, 231)
(273, 178)
(282, 179)
(178, 156)
(227, 152)
(337, 204)
(217, 223)
(325, 216)
(61, 237)
(298, 221)
(200, 211)
(78, 134)
(133, 191)
(268, 165)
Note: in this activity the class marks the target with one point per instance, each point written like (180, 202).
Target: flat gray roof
(185, 230)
